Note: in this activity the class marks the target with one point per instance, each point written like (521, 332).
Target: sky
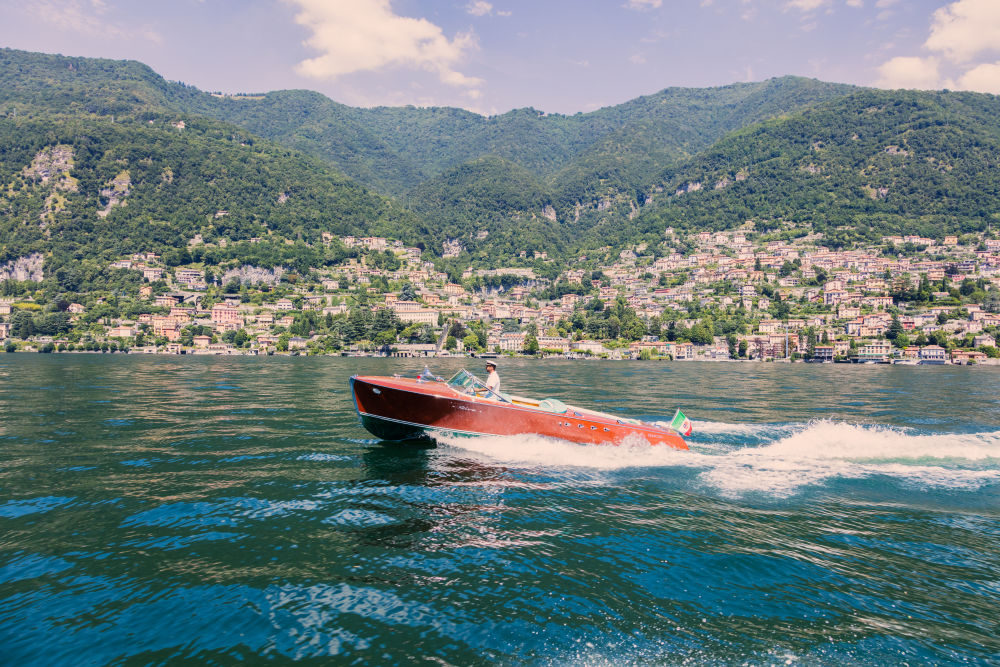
(490, 56)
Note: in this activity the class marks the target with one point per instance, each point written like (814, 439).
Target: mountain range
(102, 157)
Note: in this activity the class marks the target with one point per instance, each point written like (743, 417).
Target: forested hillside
(870, 164)
(394, 149)
(491, 207)
(85, 188)
(790, 152)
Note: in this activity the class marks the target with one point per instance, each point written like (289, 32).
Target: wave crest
(777, 460)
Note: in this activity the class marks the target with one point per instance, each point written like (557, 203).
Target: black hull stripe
(425, 426)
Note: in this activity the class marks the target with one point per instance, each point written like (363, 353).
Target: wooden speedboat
(400, 408)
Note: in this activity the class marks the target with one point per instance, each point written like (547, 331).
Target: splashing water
(778, 460)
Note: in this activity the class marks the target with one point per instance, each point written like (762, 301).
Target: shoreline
(255, 353)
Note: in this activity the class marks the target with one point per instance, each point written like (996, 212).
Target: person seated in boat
(493, 382)
(492, 379)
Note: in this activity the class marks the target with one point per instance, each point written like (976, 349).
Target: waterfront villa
(933, 354)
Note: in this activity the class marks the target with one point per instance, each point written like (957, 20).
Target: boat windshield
(427, 376)
(465, 382)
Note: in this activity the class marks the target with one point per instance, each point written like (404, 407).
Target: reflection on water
(823, 515)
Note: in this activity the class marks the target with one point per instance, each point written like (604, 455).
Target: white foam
(539, 451)
(826, 439)
(826, 450)
(811, 454)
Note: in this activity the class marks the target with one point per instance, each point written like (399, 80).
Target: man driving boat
(492, 379)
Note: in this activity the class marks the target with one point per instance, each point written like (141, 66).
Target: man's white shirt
(493, 382)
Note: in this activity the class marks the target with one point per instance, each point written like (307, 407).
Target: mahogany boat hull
(404, 409)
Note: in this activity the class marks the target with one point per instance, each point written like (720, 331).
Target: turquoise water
(214, 511)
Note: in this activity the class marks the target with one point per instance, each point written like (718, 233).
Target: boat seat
(552, 405)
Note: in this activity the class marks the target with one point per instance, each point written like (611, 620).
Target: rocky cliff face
(23, 268)
(50, 172)
(53, 165)
(115, 193)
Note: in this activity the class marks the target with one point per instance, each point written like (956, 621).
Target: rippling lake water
(222, 510)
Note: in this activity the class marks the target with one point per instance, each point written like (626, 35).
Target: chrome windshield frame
(464, 382)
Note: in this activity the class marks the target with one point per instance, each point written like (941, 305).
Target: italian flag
(681, 424)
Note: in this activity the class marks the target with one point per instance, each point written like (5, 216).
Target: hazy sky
(494, 55)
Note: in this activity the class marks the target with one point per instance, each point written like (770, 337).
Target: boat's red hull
(402, 408)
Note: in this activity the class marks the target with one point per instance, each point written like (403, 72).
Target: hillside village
(734, 295)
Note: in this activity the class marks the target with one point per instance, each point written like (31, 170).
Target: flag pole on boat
(681, 424)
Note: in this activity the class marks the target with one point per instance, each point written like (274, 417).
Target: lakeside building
(933, 354)
(413, 312)
(849, 299)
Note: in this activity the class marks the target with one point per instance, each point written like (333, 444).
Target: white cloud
(983, 78)
(962, 34)
(813, 5)
(910, 72)
(367, 36)
(637, 59)
(483, 8)
(74, 15)
(643, 4)
(806, 5)
(88, 17)
(966, 28)
(479, 8)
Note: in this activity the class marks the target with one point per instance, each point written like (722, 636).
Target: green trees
(940, 338)
(471, 342)
(895, 329)
(359, 324)
(22, 325)
(618, 320)
(382, 327)
(991, 301)
(237, 338)
(531, 344)
(304, 323)
(407, 293)
(701, 333)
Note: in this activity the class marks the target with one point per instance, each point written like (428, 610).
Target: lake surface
(222, 510)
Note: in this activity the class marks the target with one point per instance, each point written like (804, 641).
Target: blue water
(158, 510)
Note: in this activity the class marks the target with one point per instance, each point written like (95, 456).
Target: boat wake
(776, 460)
